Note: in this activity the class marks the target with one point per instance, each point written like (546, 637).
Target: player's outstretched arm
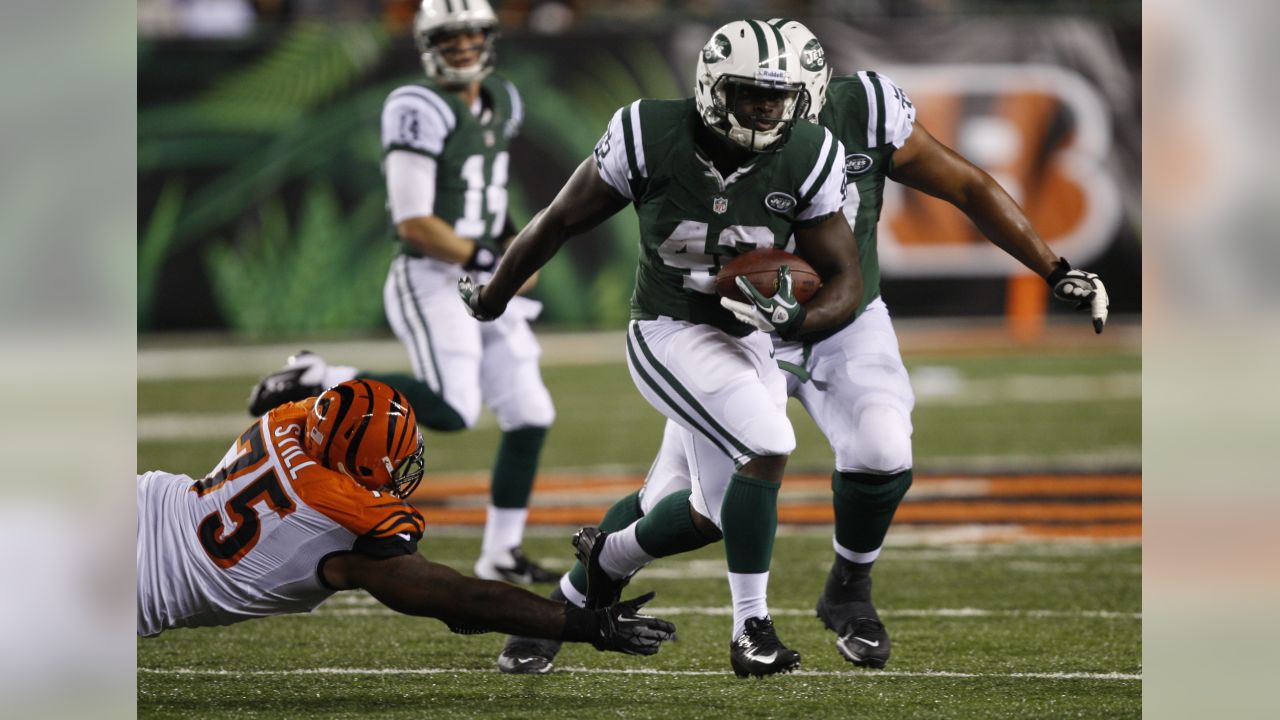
(584, 202)
(413, 585)
(929, 166)
(830, 248)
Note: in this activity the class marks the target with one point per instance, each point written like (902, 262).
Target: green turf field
(1018, 412)
(997, 631)
(979, 631)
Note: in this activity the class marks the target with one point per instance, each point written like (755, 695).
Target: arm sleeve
(616, 152)
(416, 120)
(411, 185)
(891, 116)
(823, 192)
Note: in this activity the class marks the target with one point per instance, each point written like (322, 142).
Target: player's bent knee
(527, 409)
(881, 443)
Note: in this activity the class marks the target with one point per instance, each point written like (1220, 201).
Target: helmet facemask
(406, 476)
(756, 113)
(433, 56)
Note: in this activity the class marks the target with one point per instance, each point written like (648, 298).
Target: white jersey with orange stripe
(248, 540)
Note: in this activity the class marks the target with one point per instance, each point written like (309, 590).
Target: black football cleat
(299, 379)
(528, 656)
(845, 608)
(758, 651)
(521, 571)
(602, 590)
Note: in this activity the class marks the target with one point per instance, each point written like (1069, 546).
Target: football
(760, 267)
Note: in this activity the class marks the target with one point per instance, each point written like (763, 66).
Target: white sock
(503, 530)
(622, 554)
(856, 557)
(749, 592)
(571, 593)
(335, 374)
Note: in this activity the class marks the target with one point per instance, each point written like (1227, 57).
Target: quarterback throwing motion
(446, 163)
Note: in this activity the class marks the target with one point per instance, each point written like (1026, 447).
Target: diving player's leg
(730, 392)
(512, 386)
(861, 399)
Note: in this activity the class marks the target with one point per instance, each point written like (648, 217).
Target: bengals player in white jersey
(311, 500)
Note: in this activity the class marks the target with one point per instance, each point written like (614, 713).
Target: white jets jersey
(247, 541)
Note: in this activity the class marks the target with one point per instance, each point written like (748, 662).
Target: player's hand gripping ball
(760, 268)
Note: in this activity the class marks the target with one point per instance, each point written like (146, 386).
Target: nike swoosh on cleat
(863, 640)
(762, 658)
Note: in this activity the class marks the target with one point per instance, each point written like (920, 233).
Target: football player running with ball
(850, 378)
(310, 500)
(445, 144)
(730, 170)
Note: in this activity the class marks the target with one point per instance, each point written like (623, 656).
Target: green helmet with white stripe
(745, 66)
(815, 72)
(437, 18)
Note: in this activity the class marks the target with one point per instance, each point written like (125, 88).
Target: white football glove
(781, 313)
(1083, 288)
(470, 294)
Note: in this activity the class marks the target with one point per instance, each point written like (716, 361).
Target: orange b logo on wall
(1041, 131)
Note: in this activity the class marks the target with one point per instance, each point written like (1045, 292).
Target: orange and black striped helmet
(367, 430)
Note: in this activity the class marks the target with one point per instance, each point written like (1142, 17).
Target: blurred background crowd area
(235, 18)
(258, 153)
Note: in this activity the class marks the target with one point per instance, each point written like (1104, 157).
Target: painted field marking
(872, 674)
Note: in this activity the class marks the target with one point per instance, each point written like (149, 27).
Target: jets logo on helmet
(716, 50)
(815, 73)
(748, 86)
(367, 431)
(436, 20)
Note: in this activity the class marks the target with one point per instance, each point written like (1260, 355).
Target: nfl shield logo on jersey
(720, 205)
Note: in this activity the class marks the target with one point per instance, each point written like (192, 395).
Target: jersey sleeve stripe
(517, 105)
(820, 167)
(393, 147)
(872, 115)
(638, 139)
(628, 136)
(440, 106)
(875, 81)
(831, 161)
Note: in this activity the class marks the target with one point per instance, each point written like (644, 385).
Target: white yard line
(870, 674)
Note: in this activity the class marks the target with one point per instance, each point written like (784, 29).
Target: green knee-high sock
(621, 514)
(749, 519)
(432, 411)
(864, 505)
(668, 528)
(516, 466)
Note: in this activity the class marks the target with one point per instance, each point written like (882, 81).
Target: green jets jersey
(693, 219)
(872, 117)
(470, 151)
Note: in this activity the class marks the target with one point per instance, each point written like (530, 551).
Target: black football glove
(482, 260)
(618, 628)
(1083, 288)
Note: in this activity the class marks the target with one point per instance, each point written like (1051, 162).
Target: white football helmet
(437, 17)
(749, 54)
(814, 69)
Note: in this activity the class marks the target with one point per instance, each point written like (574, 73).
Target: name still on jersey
(248, 540)
(693, 219)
